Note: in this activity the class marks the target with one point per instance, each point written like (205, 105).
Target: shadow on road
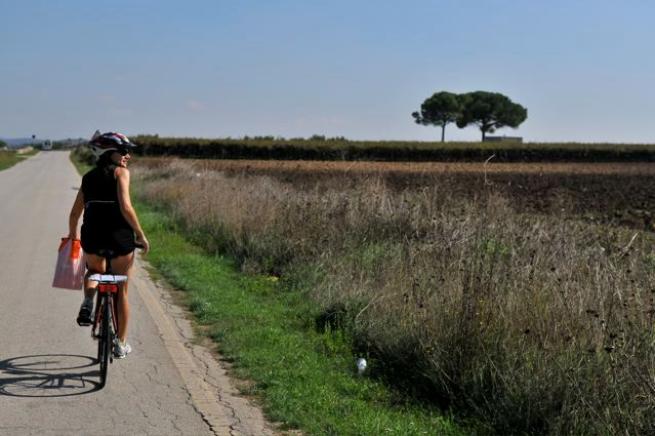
(48, 375)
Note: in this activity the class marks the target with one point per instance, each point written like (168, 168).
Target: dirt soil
(610, 192)
(367, 167)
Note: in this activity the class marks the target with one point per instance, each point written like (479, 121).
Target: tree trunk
(484, 134)
(443, 133)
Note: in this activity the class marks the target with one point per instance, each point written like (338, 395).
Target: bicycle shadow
(49, 375)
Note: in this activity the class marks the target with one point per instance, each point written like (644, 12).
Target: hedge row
(342, 149)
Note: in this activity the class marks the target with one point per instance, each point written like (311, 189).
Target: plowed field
(413, 168)
(617, 193)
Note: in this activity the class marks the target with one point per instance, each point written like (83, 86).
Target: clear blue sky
(214, 68)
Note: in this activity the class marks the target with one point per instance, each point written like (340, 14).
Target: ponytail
(105, 163)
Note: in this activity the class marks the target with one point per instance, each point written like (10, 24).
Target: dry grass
(413, 168)
(614, 193)
(533, 323)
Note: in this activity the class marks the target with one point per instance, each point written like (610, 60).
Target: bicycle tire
(104, 345)
(98, 333)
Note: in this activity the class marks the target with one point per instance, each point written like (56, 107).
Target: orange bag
(69, 271)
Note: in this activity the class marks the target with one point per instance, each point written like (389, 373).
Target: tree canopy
(490, 111)
(439, 110)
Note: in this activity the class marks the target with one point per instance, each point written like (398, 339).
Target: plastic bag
(69, 271)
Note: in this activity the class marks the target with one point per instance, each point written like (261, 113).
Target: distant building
(503, 139)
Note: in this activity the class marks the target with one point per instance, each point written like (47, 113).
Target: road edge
(209, 387)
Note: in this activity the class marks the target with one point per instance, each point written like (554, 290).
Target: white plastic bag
(69, 271)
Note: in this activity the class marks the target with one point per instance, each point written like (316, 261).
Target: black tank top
(101, 207)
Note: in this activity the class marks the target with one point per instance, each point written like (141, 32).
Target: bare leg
(95, 265)
(122, 265)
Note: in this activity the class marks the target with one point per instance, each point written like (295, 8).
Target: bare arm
(74, 217)
(123, 181)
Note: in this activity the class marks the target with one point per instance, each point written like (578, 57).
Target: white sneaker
(121, 350)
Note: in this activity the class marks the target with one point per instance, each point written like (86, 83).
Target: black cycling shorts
(120, 241)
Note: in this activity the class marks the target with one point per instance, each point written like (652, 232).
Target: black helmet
(110, 141)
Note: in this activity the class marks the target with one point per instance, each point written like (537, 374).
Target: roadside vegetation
(305, 378)
(82, 159)
(303, 373)
(616, 193)
(529, 323)
(338, 148)
(9, 158)
(522, 320)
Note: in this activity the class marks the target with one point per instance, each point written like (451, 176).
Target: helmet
(110, 141)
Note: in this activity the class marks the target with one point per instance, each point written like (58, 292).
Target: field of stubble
(521, 295)
(617, 193)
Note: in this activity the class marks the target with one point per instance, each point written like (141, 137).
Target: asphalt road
(48, 376)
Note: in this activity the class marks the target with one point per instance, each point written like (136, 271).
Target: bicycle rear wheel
(98, 325)
(104, 342)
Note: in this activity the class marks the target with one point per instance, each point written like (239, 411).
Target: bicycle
(105, 319)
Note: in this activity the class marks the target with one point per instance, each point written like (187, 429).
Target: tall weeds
(535, 324)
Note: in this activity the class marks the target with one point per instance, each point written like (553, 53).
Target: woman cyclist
(110, 223)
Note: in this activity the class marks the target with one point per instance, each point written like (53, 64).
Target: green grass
(82, 167)
(10, 158)
(305, 379)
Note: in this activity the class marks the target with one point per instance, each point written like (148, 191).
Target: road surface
(48, 377)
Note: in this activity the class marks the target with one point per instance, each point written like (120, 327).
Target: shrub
(318, 147)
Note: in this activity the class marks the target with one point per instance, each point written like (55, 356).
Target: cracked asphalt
(168, 385)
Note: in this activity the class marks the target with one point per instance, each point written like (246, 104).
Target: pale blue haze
(216, 68)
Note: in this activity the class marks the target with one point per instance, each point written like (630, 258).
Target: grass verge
(81, 166)
(305, 379)
(10, 158)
